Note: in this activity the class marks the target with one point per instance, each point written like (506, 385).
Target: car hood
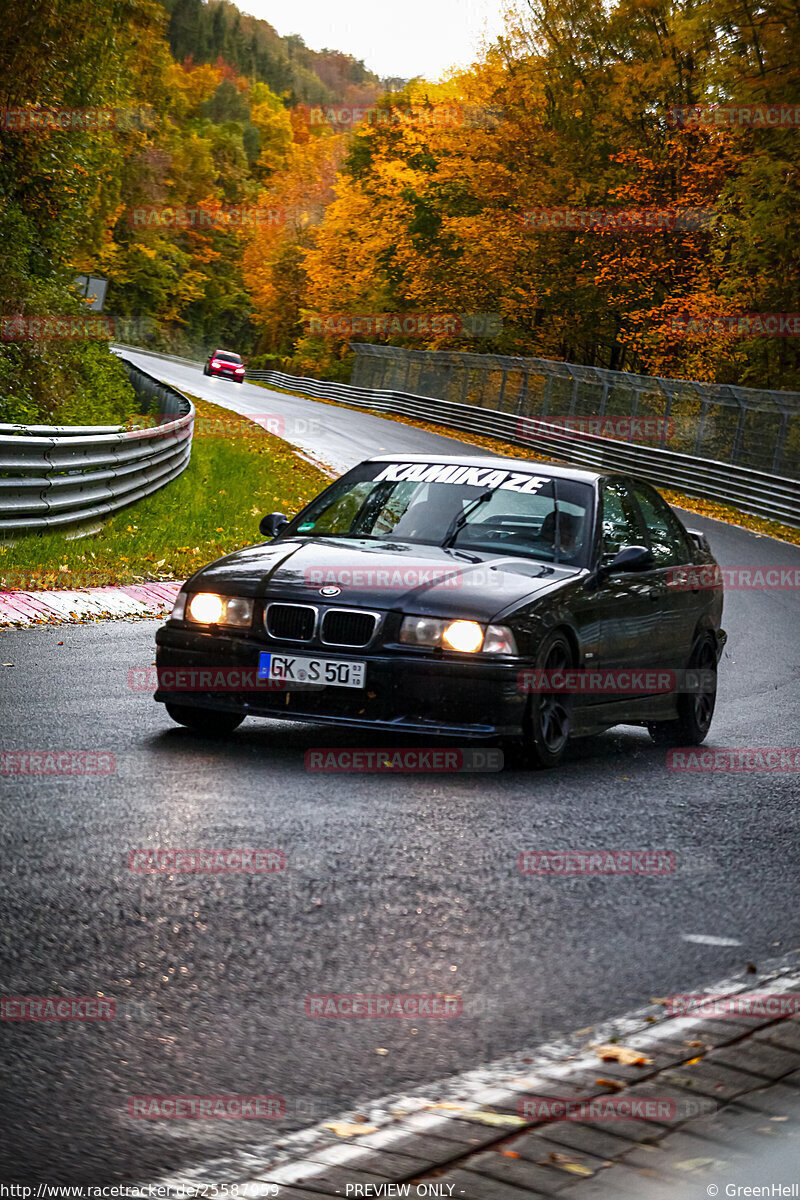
(385, 575)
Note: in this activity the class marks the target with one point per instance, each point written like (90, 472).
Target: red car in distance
(225, 364)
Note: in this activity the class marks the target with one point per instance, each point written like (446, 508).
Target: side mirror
(271, 525)
(629, 558)
(699, 540)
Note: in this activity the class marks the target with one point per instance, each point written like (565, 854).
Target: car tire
(205, 370)
(208, 721)
(695, 709)
(548, 721)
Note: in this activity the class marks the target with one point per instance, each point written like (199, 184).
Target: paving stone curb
(463, 1137)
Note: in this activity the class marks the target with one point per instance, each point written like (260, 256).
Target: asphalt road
(392, 885)
(340, 437)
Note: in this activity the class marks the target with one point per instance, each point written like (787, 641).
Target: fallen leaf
(509, 1153)
(485, 1118)
(380, 1050)
(621, 1054)
(565, 1163)
(696, 1164)
(691, 1061)
(345, 1129)
(612, 1083)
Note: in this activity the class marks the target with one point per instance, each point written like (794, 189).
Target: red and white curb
(23, 609)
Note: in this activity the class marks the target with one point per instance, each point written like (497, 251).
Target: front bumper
(404, 692)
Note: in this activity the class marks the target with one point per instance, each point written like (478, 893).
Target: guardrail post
(780, 440)
(737, 437)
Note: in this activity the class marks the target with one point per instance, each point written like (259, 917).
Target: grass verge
(237, 473)
(704, 508)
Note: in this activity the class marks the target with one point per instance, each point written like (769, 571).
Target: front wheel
(548, 720)
(208, 721)
(205, 370)
(696, 708)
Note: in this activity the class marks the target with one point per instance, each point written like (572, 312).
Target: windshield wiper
(462, 517)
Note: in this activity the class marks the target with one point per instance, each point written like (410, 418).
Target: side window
(620, 525)
(667, 541)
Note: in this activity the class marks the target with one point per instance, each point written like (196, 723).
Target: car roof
(495, 460)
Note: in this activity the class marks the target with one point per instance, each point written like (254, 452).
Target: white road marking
(707, 939)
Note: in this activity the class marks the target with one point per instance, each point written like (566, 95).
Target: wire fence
(745, 427)
(756, 492)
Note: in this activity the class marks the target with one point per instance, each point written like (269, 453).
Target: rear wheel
(549, 721)
(209, 721)
(695, 709)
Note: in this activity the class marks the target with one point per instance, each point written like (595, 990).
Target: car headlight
(207, 608)
(465, 636)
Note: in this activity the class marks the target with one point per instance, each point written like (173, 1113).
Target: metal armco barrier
(54, 476)
(756, 492)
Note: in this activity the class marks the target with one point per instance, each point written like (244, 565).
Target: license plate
(335, 672)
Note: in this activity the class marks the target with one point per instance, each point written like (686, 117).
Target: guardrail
(53, 476)
(753, 491)
(176, 358)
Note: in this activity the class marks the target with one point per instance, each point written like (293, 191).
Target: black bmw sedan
(478, 597)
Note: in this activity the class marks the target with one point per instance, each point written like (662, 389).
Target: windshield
(226, 356)
(487, 510)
